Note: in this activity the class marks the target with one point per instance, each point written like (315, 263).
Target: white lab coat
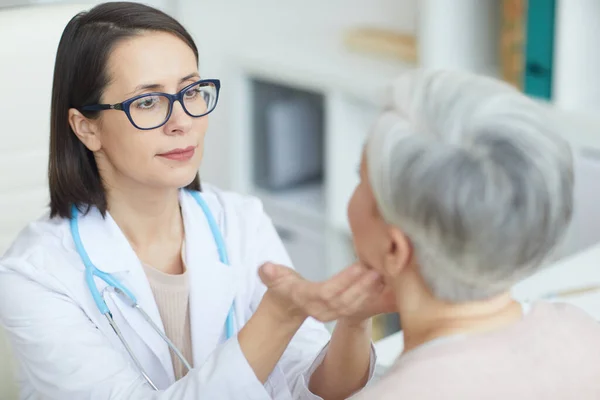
(65, 348)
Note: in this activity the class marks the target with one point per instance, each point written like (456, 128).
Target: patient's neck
(425, 318)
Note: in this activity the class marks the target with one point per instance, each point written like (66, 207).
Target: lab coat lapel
(213, 285)
(110, 251)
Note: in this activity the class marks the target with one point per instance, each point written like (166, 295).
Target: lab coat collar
(213, 285)
(104, 242)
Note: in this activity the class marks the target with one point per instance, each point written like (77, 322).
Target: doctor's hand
(355, 294)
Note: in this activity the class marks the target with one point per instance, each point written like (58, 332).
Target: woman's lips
(179, 154)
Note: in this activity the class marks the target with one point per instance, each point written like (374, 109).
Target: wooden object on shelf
(382, 42)
(512, 41)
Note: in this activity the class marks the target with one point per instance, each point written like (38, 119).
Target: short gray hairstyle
(477, 177)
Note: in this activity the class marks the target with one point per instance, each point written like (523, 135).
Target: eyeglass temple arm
(100, 107)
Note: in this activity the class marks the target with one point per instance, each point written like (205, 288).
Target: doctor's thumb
(270, 273)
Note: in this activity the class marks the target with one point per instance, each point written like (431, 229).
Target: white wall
(26, 68)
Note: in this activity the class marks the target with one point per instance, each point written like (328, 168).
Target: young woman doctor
(136, 274)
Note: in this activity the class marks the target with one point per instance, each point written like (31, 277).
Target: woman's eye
(146, 102)
(193, 92)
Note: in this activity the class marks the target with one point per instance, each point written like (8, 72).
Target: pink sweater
(552, 353)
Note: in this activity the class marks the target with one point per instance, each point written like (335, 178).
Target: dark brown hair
(80, 77)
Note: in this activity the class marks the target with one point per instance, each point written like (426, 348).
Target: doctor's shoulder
(246, 226)
(39, 248)
(235, 212)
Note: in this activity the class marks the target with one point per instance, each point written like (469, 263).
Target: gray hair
(476, 176)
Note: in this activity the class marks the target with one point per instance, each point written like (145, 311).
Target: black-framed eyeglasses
(153, 110)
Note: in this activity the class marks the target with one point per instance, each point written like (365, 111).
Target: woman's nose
(179, 122)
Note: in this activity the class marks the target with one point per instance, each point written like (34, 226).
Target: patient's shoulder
(565, 326)
(550, 344)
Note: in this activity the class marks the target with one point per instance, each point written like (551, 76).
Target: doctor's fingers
(330, 290)
(321, 311)
(319, 303)
(353, 299)
(288, 282)
(314, 300)
(321, 300)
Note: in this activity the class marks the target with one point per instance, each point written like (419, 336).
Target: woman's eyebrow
(190, 76)
(157, 86)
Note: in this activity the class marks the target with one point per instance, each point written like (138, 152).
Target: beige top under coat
(171, 293)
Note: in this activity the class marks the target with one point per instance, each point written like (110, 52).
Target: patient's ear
(399, 253)
(85, 129)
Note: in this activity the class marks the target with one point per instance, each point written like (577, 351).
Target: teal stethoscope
(113, 285)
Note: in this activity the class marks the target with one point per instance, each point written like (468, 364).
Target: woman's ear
(85, 130)
(399, 252)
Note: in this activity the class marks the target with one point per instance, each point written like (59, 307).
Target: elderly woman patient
(465, 190)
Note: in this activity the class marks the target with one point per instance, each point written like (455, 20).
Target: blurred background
(302, 82)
